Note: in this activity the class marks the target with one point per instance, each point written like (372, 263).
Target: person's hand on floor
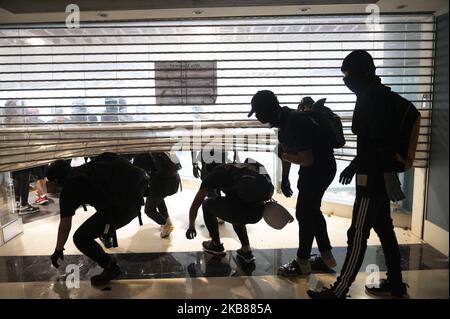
(58, 254)
(191, 233)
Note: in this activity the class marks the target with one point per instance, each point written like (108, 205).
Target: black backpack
(165, 165)
(157, 163)
(331, 122)
(406, 126)
(119, 186)
(119, 183)
(251, 182)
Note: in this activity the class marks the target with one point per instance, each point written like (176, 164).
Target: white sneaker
(166, 229)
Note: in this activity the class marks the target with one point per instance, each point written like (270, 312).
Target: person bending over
(93, 184)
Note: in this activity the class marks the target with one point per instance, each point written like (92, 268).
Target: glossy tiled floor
(423, 284)
(176, 267)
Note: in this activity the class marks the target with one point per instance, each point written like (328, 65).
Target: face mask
(261, 118)
(356, 83)
(351, 82)
(267, 117)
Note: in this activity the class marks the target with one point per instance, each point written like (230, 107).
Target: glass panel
(96, 86)
(7, 201)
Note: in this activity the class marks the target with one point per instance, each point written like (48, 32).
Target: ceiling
(42, 6)
(29, 11)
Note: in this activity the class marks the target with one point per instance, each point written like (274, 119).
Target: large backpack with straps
(119, 183)
(251, 182)
(405, 131)
(331, 122)
(162, 168)
(105, 172)
(161, 163)
(166, 163)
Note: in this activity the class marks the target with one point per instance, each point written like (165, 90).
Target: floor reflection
(200, 264)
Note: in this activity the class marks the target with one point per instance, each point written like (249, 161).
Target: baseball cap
(261, 100)
(276, 216)
(307, 100)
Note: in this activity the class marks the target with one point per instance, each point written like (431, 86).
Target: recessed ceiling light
(36, 41)
(197, 12)
(402, 6)
(102, 15)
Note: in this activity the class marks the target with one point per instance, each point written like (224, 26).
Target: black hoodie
(372, 124)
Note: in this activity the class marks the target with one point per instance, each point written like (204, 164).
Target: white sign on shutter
(186, 82)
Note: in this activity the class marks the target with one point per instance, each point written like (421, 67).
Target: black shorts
(38, 173)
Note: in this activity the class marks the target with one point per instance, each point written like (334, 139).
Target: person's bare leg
(41, 191)
(41, 187)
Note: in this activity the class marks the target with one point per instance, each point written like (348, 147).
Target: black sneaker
(318, 265)
(247, 256)
(109, 273)
(325, 293)
(211, 248)
(387, 289)
(28, 209)
(291, 269)
(246, 268)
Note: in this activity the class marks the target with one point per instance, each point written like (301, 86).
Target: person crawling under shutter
(94, 184)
